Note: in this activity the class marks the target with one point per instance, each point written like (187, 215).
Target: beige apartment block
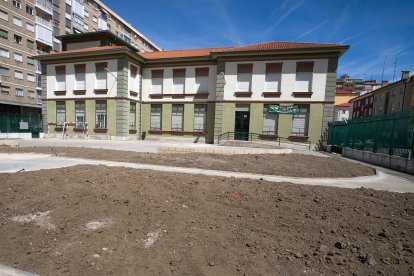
(32, 27)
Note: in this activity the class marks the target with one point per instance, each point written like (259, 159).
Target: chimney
(405, 74)
(384, 83)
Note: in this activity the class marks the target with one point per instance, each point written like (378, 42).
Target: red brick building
(362, 106)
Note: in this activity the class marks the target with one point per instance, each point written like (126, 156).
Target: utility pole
(395, 67)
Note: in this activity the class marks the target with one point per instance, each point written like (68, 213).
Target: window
(30, 77)
(304, 73)
(68, 23)
(156, 117)
(4, 53)
(95, 19)
(18, 75)
(132, 115)
(17, 21)
(30, 61)
(5, 90)
(101, 76)
(17, 4)
(86, 27)
(244, 77)
(19, 92)
(86, 13)
(273, 77)
(201, 79)
(60, 78)
(100, 114)
(177, 117)
(60, 113)
(31, 94)
(18, 57)
(157, 77)
(270, 122)
(80, 114)
(133, 78)
(4, 71)
(29, 9)
(300, 121)
(80, 76)
(4, 34)
(30, 27)
(17, 39)
(30, 44)
(4, 15)
(178, 81)
(200, 117)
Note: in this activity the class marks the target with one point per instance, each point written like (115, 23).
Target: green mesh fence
(17, 123)
(391, 133)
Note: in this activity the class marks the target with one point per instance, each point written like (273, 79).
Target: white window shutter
(270, 121)
(272, 82)
(157, 85)
(303, 82)
(201, 84)
(80, 81)
(243, 82)
(178, 85)
(101, 79)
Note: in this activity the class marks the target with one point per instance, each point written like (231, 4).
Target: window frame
(156, 111)
(60, 111)
(101, 112)
(177, 112)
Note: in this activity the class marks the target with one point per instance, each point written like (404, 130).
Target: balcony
(44, 34)
(44, 22)
(102, 24)
(45, 6)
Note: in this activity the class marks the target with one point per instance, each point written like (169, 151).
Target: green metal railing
(251, 137)
(391, 133)
(17, 123)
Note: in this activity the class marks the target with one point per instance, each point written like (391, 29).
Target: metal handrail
(252, 136)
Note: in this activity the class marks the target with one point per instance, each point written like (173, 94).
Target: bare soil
(285, 164)
(97, 220)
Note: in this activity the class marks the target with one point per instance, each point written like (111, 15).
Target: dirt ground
(97, 220)
(286, 164)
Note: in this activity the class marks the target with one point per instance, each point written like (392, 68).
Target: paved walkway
(11, 271)
(380, 181)
(131, 145)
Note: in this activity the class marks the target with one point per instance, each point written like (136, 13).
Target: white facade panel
(90, 80)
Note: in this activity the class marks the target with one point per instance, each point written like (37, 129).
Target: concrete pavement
(380, 181)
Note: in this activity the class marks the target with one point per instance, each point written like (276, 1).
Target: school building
(102, 87)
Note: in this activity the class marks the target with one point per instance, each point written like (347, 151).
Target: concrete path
(30, 162)
(132, 145)
(11, 271)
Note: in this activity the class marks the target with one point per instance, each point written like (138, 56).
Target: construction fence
(391, 133)
(18, 123)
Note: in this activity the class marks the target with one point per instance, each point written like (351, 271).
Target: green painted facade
(228, 121)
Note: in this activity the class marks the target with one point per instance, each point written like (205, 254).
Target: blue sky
(375, 30)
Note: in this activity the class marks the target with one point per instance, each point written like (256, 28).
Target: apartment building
(33, 27)
(357, 85)
(362, 106)
(396, 96)
(111, 91)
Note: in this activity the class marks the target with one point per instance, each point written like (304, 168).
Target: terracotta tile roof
(281, 45)
(84, 50)
(345, 92)
(179, 53)
(274, 45)
(344, 105)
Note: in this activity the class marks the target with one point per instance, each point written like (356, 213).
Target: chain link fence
(391, 133)
(17, 123)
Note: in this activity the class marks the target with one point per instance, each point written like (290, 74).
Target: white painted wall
(90, 80)
(287, 84)
(341, 113)
(168, 83)
(134, 84)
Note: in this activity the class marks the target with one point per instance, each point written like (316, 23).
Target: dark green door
(241, 130)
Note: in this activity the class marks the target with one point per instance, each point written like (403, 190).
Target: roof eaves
(63, 55)
(341, 49)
